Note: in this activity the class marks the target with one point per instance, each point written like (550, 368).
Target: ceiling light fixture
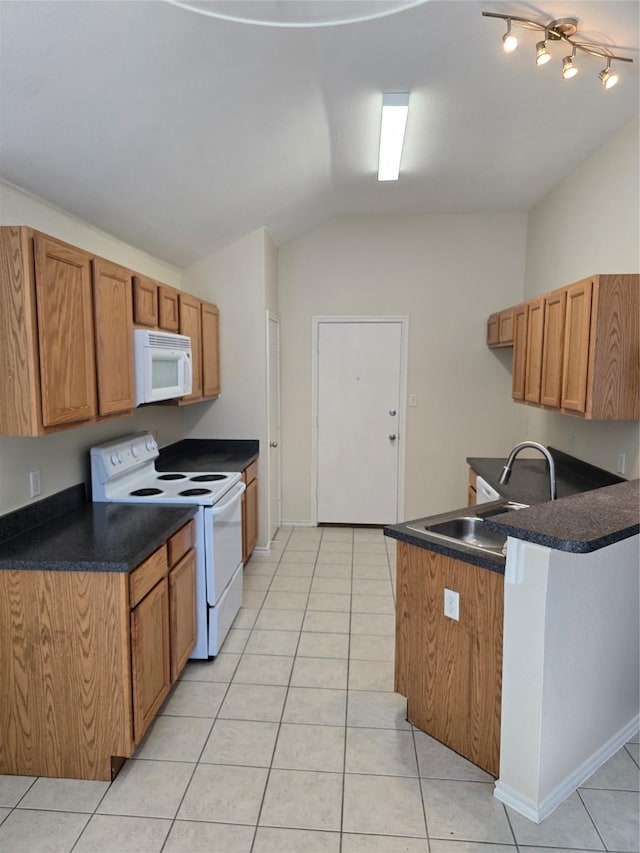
(569, 70)
(608, 78)
(542, 51)
(560, 29)
(509, 39)
(395, 108)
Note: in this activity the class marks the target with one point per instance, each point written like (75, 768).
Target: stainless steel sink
(466, 527)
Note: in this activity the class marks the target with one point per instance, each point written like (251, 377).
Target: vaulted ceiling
(179, 133)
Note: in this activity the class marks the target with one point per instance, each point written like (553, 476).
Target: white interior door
(273, 391)
(359, 430)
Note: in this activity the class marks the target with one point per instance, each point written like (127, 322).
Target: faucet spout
(506, 471)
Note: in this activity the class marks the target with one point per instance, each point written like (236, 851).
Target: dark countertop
(595, 508)
(577, 524)
(65, 533)
(208, 455)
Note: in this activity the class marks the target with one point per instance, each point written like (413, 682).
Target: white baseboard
(298, 524)
(538, 811)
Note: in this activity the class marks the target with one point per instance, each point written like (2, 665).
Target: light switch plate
(35, 487)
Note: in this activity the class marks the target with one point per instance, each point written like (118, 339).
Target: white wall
(588, 224)
(446, 273)
(240, 280)
(570, 682)
(63, 458)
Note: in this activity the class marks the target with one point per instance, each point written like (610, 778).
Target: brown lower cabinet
(250, 510)
(86, 660)
(451, 671)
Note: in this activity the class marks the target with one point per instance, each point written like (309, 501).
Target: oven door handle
(232, 496)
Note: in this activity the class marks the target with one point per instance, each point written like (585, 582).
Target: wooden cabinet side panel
(210, 350)
(19, 378)
(403, 617)
(64, 677)
(454, 668)
(576, 346)
(533, 358)
(191, 325)
(112, 290)
(65, 332)
(553, 348)
(182, 612)
(251, 507)
(493, 330)
(150, 656)
(520, 318)
(614, 366)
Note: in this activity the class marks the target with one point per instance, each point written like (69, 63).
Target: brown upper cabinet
(145, 301)
(191, 325)
(576, 349)
(210, 350)
(168, 311)
(500, 328)
(114, 339)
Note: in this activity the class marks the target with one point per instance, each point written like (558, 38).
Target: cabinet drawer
(180, 542)
(147, 575)
(250, 473)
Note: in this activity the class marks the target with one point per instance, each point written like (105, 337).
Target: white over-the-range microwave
(162, 365)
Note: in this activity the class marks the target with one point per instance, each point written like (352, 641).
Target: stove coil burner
(143, 493)
(172, 477)
(208, 478)
(192, 492)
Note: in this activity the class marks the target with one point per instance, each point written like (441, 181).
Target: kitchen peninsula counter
(65, 533)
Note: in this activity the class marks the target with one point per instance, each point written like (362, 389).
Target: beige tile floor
(293, 741)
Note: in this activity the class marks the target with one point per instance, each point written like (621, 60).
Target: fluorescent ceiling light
(395, 107)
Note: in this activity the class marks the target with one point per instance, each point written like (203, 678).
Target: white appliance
(484, 492)
(124, 471)
(162, 365)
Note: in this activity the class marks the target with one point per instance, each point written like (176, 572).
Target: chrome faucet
(506, 471)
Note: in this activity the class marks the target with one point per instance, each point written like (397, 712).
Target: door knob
(392, 412)
(392, 437)
(273, 444)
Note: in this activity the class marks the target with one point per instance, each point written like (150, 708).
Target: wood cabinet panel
(553, 348)
(210, 350)
(168, 311)
(191, 325)
(65, 675)
(493, 330)
(576, 346)
(520, 324)
(65, 332)
(112, 296)
(250, 527)
(451, 671)
(182, 611)
(181, 542)
(533, 358)
(150, 656)
(505, 327)
(145, 301)
(146, 575)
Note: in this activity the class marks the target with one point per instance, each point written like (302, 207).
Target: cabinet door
(250, 518)
(505, 327)
(576, 346)
(191, 325)
(65, 332)
(520, 317)
(493, 332)
(210, 350)
(145, 301)
(533, 359)
(112, 295)
(182, 611)
(150, 660)
(552, 349)
(168, 308)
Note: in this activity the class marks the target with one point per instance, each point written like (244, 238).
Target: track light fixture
(561, 29)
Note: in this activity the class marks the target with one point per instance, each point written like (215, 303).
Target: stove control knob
(135, 451)
(150, 444)
(120, 460)
(114, 459)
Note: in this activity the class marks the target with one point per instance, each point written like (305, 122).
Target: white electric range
(123, 471)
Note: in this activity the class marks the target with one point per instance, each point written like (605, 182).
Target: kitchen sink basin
(467, 527)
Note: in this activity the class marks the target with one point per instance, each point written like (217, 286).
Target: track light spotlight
(509, 39)
(542, 52)
(607, 77)
(569, 70)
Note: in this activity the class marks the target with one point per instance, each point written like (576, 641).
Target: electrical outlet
(452, 604)
(35, 487)
(622, 462)
(571, 443)
(413, 400)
